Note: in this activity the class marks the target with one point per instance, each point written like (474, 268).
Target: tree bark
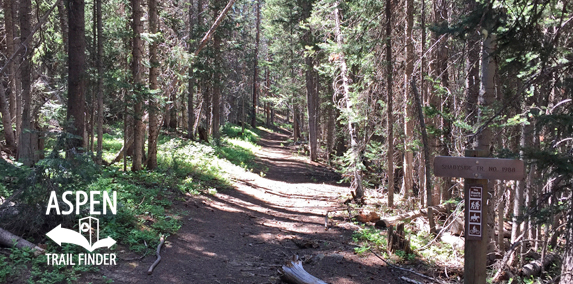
(389, 103)
(430, 201)
(25, 150)
(12, 89)
(355, 162)
(472, 71)
(217, 75)
(256, 64)
(408, 107)
(7, 121)
(446, 105)
(100, 73)
(191, 82)
(484, 138)
(137, 73)
(154, 85)
(567, 263)
(63, 24)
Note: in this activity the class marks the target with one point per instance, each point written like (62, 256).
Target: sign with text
(479, 168)
(474, 212)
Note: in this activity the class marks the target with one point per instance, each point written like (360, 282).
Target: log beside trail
(8, 239)
(534, 268)
(386, 222)
(293, 272)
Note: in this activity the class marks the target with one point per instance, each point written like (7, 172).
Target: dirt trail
(244, 235)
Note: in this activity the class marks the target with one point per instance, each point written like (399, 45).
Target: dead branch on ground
(161, 241)
(293, 272)
(408, 270)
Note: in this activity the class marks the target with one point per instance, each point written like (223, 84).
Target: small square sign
(475, 204)
(474, 212)
(475, 192)
(474, 230)
(475, 217)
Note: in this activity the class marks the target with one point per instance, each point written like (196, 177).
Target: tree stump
(397, 239)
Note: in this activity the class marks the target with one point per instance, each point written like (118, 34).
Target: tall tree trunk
(355, 162)
(25, 151)
(408, 107)
(256, 64)
(311, 93)
(99, 82)
(425, 142)
(484, 138)
(389, 102)
(472, 71)
(137, 73)
(9, 26)
(312, 106)
(422, 170)
(446, 105)
(268, 94)
(216, 77)
(567, 265)
(435, 97)
(295, 122)
(76, 75)
(191, 82)
(7, 121)
(63, 24)
(153, 85)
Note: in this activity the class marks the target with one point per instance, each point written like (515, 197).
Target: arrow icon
(62, 235)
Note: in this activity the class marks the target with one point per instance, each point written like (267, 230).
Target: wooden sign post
(477, 171)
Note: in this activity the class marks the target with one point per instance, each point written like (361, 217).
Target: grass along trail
(244, 234)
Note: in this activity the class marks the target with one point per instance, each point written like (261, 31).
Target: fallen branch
(408, 270)
(210, 32)
(293, 272)
(161, 241)
(390, 221)
(406, 279)
(8, 239)
(499, 274)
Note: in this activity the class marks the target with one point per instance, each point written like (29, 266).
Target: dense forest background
(375, 89)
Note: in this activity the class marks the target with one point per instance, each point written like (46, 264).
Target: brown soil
(245, 234)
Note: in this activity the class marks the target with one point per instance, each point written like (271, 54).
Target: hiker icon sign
(474, 212)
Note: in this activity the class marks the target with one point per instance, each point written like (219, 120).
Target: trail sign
(479, 168)
(474, 212)
(476, 171)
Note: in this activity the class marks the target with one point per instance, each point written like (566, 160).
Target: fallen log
(534, 268)
(8, 239)
(293, 272)
(391, 221)
(122, 151)
(161, 241)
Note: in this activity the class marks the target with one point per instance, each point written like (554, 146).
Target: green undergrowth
(426, 248)
(145, 209)
(238, 146)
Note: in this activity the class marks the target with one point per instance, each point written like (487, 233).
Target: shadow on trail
(283, 166)
(244, 235)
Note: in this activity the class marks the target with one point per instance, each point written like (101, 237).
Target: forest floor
(245, 234)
